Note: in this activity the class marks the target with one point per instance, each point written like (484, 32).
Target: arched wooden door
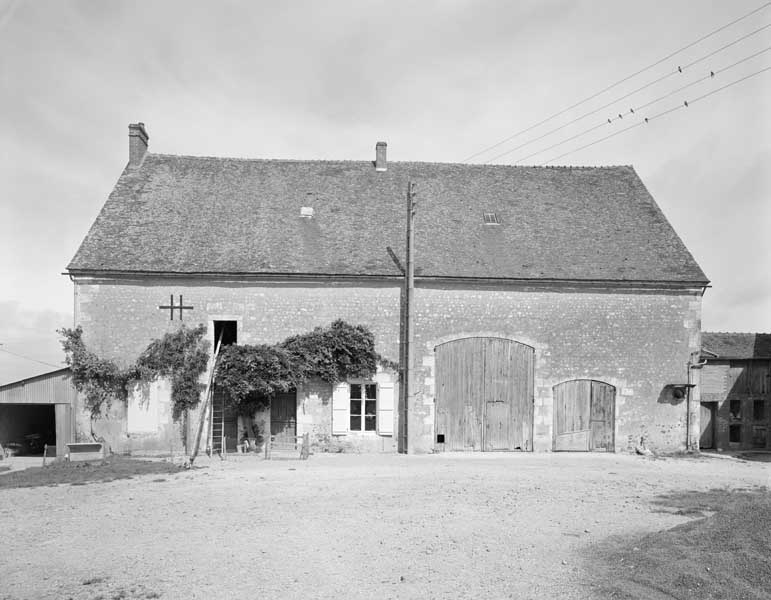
(484, 395)
(584, 416)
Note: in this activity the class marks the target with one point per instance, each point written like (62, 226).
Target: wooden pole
(409, 296)
(207, 398)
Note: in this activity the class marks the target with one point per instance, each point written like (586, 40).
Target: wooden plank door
(230, 428)
(572, 415)
(498, 392)
(459, 394)
(707, 423)
(584, 416)
(283, 416)
(602, 418)
(484, 394)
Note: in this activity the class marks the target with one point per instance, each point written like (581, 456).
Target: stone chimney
(380, 156)
(137, 143)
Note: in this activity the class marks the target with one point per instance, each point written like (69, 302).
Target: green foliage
(98, 379)
(253, 374)
(181, 355)
(335, 353)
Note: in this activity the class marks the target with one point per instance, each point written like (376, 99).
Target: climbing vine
(253, 374)
(180, 355)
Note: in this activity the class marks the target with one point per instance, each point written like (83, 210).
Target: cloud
(31, 334)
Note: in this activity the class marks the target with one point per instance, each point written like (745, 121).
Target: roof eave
(278, 276)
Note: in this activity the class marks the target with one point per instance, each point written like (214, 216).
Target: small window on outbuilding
(491, 218)
(735, 408)
(759, 410)
(759, 437)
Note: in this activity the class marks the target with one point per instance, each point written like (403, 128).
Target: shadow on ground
(112, 468)
(725, 552)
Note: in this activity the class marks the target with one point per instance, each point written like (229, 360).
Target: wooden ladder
(217, 434)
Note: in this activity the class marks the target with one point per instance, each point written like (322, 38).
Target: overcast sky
(439, 81)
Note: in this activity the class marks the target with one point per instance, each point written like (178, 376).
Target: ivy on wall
(250, 374)
(254, 374)
(180, 355)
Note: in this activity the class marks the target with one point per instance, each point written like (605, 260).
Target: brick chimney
(380, 156)
(137, 143)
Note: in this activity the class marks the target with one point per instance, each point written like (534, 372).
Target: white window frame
(363, 383)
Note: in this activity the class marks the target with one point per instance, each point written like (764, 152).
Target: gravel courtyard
(345, 526)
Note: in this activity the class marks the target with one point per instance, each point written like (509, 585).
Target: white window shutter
(385, 409)
(340, 408)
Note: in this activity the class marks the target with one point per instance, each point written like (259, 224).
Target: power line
(685, 104)
(32, 359)
(678, 70)
(635, 109)
(619, 82)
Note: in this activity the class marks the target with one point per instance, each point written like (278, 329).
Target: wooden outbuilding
(735, 387)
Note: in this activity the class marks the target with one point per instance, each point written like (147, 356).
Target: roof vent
(491, 218)
(306, 212)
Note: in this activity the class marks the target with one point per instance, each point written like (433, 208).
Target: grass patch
(114, 467)
(724, 555)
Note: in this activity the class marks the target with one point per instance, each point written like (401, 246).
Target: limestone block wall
(121, 317)
(638, 341)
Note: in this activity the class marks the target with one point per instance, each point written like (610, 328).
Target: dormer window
(491, 218)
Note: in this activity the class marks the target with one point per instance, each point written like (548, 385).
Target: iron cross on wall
(172, 306)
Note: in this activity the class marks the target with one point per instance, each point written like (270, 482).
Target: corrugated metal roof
(54, 387)
(182, 214)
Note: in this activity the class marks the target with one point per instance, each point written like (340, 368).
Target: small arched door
(584, 416)
(484, 395)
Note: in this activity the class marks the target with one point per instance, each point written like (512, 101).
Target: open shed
(37, 411)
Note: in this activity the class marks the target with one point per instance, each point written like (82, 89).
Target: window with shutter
(340, 400)
(385, 409)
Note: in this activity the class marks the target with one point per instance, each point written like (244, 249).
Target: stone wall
(636, 340)
(120, 318)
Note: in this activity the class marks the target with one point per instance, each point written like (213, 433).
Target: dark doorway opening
(283, 416)
(224, 420)
(229, 331)
(26, 428)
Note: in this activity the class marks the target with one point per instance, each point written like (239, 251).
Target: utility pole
(409, 320)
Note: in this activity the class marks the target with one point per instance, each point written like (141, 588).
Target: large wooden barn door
(484, 395)
(584, 416)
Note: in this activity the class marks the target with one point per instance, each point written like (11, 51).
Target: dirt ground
(349, 526)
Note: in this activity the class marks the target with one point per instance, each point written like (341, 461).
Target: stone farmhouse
(554, 308)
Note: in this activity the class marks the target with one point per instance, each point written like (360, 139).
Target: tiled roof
(182, 214)
(720, 344)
